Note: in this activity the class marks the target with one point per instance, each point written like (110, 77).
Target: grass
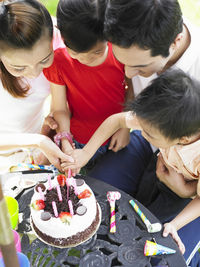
(190, 9)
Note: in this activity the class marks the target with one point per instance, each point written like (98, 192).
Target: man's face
(138, 61)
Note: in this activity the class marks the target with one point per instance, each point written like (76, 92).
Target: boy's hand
(175, 181)
(169, 228)
(120, 139)
(80, 156)
(53, 153)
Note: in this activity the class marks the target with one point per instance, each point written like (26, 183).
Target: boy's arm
(188, 214)
(61, 112)
(105, 130)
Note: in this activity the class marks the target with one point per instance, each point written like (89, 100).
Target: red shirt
(93, 93)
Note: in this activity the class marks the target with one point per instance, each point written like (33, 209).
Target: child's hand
(169, 228)
(120, 139)
(80, 156)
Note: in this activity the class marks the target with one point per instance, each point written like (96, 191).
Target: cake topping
(61, 179)
(65, 217)
(45, 216)
(38, 204)
(79, 182)
(42, 186)
(62, 206)
(81, 210)
(86, 193)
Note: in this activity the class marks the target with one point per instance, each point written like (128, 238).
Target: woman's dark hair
(171, 103)
(22, 23)
(81, 23)
(148, 24)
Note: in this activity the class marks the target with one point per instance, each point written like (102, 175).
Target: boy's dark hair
(23, 23)
(81, 23)
(148, 24)
(171, 103)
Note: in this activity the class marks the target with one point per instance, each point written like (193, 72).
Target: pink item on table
(59, 192)
(41, 193)
(17, 242)
(55, 209)
(70, 207)
(112, 196)
(49, 181)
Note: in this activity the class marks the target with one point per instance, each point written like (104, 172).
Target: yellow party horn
(151, 249)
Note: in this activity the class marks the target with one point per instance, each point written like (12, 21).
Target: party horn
(38, 167)
(112, 196)
(151, 227)
(151, 248)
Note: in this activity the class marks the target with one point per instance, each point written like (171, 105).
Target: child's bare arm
(188, 214)
(61, 112)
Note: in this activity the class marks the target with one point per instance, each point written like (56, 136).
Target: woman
(26, 47)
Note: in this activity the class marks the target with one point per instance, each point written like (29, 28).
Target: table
(124, 248)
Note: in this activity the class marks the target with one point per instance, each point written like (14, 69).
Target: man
(149, 36)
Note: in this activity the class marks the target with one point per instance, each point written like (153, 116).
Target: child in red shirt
(87, 82)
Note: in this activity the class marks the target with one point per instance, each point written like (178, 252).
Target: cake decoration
(112, 196)
(69, 213)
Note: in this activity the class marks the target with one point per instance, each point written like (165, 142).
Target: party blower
(112, 196)
(151, 227)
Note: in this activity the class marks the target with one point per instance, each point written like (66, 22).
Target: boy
(155, 111)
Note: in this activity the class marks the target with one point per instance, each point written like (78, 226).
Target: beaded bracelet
(66, 135)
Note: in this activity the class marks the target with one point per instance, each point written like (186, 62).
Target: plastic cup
(17, 242)
(13, 209)
(23, 260)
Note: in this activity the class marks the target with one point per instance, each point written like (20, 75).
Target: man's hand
(120, 139)
(175, 181)
(169, 228)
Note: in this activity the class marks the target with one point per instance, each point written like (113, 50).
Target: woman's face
(29, 63)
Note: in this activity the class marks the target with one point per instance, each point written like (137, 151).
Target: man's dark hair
(171, 103)
(148, 24)
(81, 23)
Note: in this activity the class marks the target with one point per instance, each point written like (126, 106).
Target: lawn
(190, 8)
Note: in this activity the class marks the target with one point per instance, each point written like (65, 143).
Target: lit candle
(70, 207)
(55, 211)
(59, 192)
(49, 181)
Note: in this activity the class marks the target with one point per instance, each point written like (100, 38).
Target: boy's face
(154, 136)
(93, 57)
(138, 61)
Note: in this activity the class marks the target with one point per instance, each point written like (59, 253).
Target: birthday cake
(64, 212)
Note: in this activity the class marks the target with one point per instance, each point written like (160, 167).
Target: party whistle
(151, 227)
(151, 249)
(112, 196)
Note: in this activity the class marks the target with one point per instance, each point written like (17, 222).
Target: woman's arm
(48, 147)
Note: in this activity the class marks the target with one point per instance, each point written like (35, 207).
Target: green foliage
(190, 8)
